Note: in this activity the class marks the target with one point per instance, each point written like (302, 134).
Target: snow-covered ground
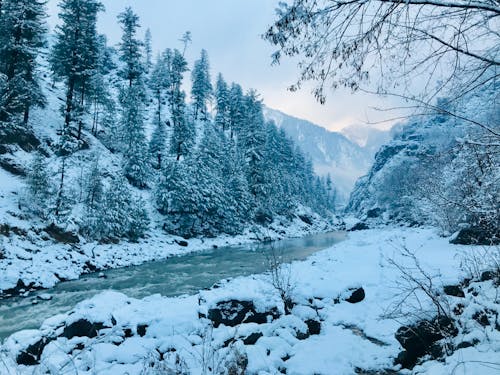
(157, 334)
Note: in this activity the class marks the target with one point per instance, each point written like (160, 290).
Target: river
(171, 277)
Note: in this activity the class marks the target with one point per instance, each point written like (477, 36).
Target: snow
(352, 335)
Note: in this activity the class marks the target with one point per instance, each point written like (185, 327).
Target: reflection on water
(171, 277)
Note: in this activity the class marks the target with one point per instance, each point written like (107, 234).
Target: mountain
(331, 152)
(367, 137)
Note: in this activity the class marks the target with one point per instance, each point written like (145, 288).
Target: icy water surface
(171, 277)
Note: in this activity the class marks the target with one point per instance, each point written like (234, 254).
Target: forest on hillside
(129, 142)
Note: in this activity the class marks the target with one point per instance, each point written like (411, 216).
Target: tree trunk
(61, 187)
(69, 101)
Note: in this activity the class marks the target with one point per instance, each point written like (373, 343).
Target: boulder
(476, 236)
(454, 291)
(359, 226)
(420, 339)
(141, 329)
(31, 355)
(357, 295)
(82, 328)
(313, 326)
(253, 338)
(233, 312)
(60, 235)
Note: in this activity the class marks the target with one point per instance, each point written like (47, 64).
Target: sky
(230, 31)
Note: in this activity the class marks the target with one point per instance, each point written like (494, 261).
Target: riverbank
(343, 318)
(32, 259)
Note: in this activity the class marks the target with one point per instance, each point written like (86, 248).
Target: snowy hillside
(423, 175)
(331, 153)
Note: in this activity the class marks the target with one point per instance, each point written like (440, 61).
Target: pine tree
(183, 133)
(75, 54)
(22, 34)
(201, 90)
(130, 48)
(101, 98)
(136, 166)
(158, 143)
(148, 49)
(122, 214)
(252, 138)
(39, 187)
(159, 83)
(223, 116)
(236, 109)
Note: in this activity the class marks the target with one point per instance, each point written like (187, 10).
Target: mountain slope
(331, 153)
(369, 138)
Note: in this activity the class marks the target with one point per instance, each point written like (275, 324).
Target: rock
(13, 166)
(44, 297)
(20, 136)
(233, 312)
(419, 339)
(373, 213)
(476, 236)
(454, 291)
(482, 317)
(60, 235)
(82, 328)
(182, 243)
(31, 355)
(313, 326)
(359, 226)
(90, 267)
(306, 219)
(487, 275)
(141, 329)
(263, 217)
(357, 296)
(253, 338)
(466, 344)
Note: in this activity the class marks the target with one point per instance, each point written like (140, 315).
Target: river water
(171, 277)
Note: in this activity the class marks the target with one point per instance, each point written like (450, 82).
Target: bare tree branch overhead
(343, 43)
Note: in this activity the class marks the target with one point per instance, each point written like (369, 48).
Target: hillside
(331, 152)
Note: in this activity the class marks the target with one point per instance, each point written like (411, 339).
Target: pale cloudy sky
(230, 30)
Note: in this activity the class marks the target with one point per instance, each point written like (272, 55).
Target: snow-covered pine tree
(201, 90)
(159, 83)
(122, 214)
(40, 187)
(148, 51)
(135, 149)
(93, 199)
(22, 34)
(223, 116)
(183, 133)
(131, 48)
(158, 143)
(101, 98)
(252, 138)
(75, 54)
(236, 108)
(212, 206)
(240, 209)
